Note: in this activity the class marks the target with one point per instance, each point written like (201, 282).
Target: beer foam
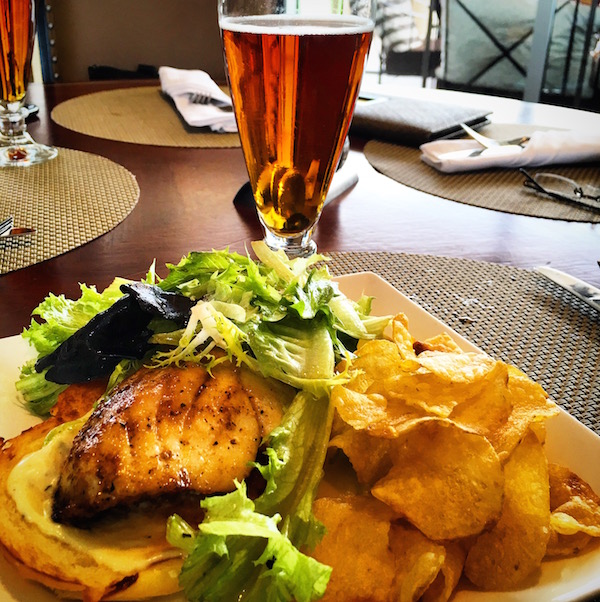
(298, 24)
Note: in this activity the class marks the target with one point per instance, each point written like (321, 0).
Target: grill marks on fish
(162, 432)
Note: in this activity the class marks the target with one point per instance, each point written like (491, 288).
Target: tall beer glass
(17, 32)
(294, 69)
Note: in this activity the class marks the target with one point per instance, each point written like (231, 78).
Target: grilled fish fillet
(164, 431)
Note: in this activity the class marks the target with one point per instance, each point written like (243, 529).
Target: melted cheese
(133, 543)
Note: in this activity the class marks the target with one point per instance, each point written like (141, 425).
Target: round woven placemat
(513, 314)
(69, 201)
(138, 115)
(498, 189)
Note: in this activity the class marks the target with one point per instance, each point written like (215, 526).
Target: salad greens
(61, 318)
(94, 351)
(285, 319)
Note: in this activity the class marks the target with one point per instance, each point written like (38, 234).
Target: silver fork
(6, 225)
(491, 142)
(198, 98)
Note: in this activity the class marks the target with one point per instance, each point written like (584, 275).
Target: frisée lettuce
(293, 323)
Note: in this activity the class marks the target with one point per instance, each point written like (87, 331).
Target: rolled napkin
(544, 148)
(182, 84)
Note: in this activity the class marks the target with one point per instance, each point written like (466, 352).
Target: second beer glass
(294, 70)
(17, 33)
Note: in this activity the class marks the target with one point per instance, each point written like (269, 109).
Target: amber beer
(294, 83)
(17, 37)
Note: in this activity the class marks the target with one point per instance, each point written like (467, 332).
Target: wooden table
(186, 204)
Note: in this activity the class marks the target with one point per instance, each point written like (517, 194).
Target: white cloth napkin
(180, 83)
(544, 148)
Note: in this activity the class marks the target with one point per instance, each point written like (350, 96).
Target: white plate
(568, 442)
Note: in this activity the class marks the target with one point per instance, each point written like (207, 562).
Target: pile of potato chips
(451, 477)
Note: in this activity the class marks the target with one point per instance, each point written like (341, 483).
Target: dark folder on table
(412, 122)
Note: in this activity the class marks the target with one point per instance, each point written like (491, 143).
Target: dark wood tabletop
(186, 204)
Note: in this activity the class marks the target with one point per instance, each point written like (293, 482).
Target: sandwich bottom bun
(122, 557)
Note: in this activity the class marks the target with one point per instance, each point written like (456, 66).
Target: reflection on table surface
(186, 204)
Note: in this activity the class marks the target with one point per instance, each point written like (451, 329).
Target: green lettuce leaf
(297, 352)
(289, 318)
(61, 317)
(231, 519)
(39, 394)
(221, 275)
(296, 452)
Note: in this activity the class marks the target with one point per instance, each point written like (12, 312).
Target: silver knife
(17, 232)
(586, 292)
(465, 153)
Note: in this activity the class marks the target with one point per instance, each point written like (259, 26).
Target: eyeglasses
(563, 189)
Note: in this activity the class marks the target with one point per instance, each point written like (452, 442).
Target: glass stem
(13, 127)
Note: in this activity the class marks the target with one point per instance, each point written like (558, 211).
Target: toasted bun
(63, 564)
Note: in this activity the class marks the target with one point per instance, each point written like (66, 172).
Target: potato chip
(471, 369)
(565, 485)
(373, 359)
(426, 570)
(356, 547)
(540, 430)
(377, 359)
(513, 549)
(360, 382)
(451, 441)
(575, 512)
(368, 455)
(446, 481)
(372, 412)
(402, 337)
(437, 382)
(566, 545)
(487, 412)
(418, 561)
(440, 342)
(405, 389)
(359, 410)
(445, 583)
(575, 516)
(530, 404)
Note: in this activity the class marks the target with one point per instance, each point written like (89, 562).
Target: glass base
(294, 246)
(24, 154)
(17, 147)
